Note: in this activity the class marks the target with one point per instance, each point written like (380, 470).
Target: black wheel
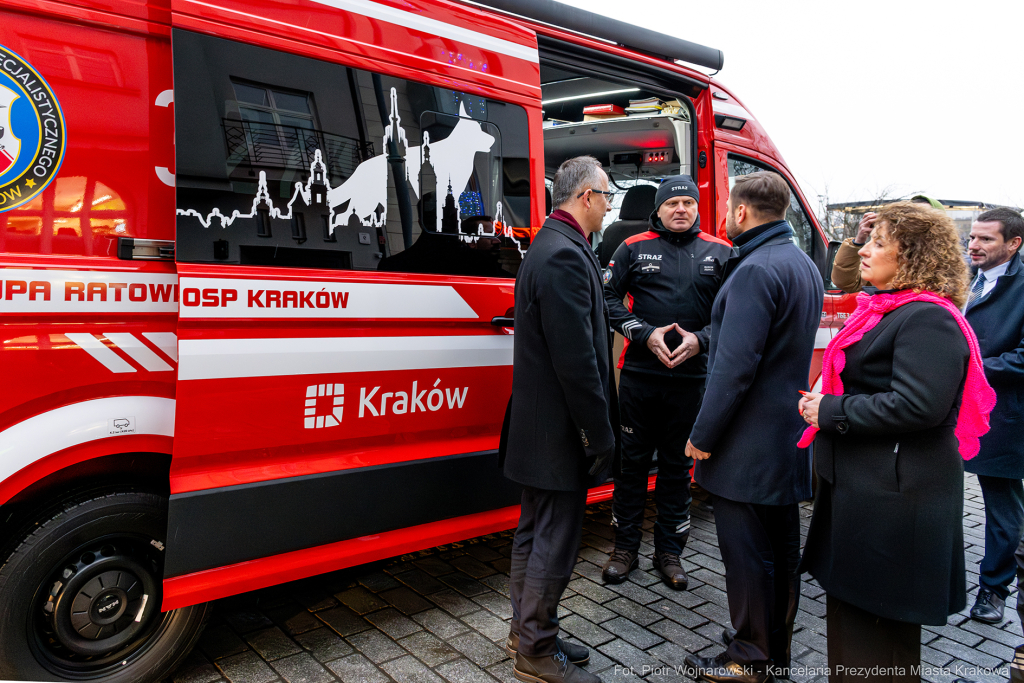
(80, 596)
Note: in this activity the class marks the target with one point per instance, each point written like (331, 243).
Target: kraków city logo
(33, 135)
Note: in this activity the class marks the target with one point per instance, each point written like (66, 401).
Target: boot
(619, 565)
(577, 654)
(671, 570)
(554, 668)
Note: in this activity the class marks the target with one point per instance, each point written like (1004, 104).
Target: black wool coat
(563, 392)
(887, 530)
(763, 324)
(998, 321)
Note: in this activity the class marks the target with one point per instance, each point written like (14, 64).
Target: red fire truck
(256, 285)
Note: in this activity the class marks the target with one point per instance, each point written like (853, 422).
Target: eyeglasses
(607, 193)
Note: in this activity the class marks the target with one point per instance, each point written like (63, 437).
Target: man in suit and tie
(560, 439)
(995, 309)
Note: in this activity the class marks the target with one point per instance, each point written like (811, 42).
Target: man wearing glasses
(560, 440)
(671, 275)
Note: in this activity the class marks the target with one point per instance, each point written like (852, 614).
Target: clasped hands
(688, 348)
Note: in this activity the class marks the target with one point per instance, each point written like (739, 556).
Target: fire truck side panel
(316, 406)
(87, 339)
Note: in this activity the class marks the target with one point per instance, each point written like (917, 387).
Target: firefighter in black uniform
(671, 275)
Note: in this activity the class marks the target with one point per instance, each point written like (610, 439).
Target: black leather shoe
(721, 669)
(577, 654)
(619, 565)
(987, 609)
(728, 635)
(554, 668)
(671, 570)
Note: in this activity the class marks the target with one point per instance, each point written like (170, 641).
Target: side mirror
(833, 247)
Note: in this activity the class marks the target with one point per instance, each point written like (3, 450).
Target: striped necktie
(977, 289)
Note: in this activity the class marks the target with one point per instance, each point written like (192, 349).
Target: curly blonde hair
(929, 254)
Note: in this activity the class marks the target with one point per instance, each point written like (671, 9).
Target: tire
(80, 596)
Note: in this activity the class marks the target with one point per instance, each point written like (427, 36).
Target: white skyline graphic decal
(364, 193)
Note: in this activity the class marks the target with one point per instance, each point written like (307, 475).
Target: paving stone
(376, 646)
(246, 667)
(632, 633)
(453, 603)
(587, 632)
(598, 594)
(628, 655)
(272, 644)
(221, 641)
(360, 600)
(634, 592)
(490, 626)
(343, 620)
(324, 644)
(356, 669)
(685, 637)
(497, 582)
(483, 553)
(196, 669)
(495, 604)
(592, 571)
(429, 649)
(503, 672)
(472, 566)
(393, 623)
(439, 623)
(434, 566)
(420, 581)
(378, 581)
(952, 632)
(293, 618)
(312, 597)
(408, 669)
(588, 609)
(962, 652)
(477, 648)
(244, 621)
(464, 584)
(464, 671)
(302, 668)
(406, 600)
(685, 598)
(677, 613)
(632, 611)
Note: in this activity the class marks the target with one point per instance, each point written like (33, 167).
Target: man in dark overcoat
(763, 325)
(560, 438)
(995, 309)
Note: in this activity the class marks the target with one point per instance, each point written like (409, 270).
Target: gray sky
(859, 96)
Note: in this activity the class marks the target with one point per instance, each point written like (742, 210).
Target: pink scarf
(978, 400)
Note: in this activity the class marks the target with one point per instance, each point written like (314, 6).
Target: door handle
(503, 321)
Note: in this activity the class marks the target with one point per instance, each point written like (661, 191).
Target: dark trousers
(760, 547)
(657, 413)
(1004, 525)
(544, 553)
(857, 638)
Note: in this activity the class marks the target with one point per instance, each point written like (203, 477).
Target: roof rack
(634, 37)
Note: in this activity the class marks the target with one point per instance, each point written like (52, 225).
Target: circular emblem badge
(32, 132)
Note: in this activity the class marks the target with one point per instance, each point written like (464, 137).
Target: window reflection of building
(74, 215)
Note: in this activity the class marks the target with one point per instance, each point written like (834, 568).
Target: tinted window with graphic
(289, 161)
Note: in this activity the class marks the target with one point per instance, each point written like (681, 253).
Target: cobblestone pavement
(442, 615)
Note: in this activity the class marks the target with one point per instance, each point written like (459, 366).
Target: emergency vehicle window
(803, 231)
(289, 161)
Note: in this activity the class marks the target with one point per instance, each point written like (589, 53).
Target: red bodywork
(109, 64)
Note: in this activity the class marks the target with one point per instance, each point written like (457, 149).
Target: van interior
(636, 145)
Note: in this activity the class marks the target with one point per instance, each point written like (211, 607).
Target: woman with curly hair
(904, 401)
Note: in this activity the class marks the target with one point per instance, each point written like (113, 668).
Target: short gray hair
(575, 175)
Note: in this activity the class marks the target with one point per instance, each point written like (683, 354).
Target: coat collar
(778, 232)
(570, 232)
(1013, 270)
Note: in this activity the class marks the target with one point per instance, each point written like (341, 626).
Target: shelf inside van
(601, 139)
